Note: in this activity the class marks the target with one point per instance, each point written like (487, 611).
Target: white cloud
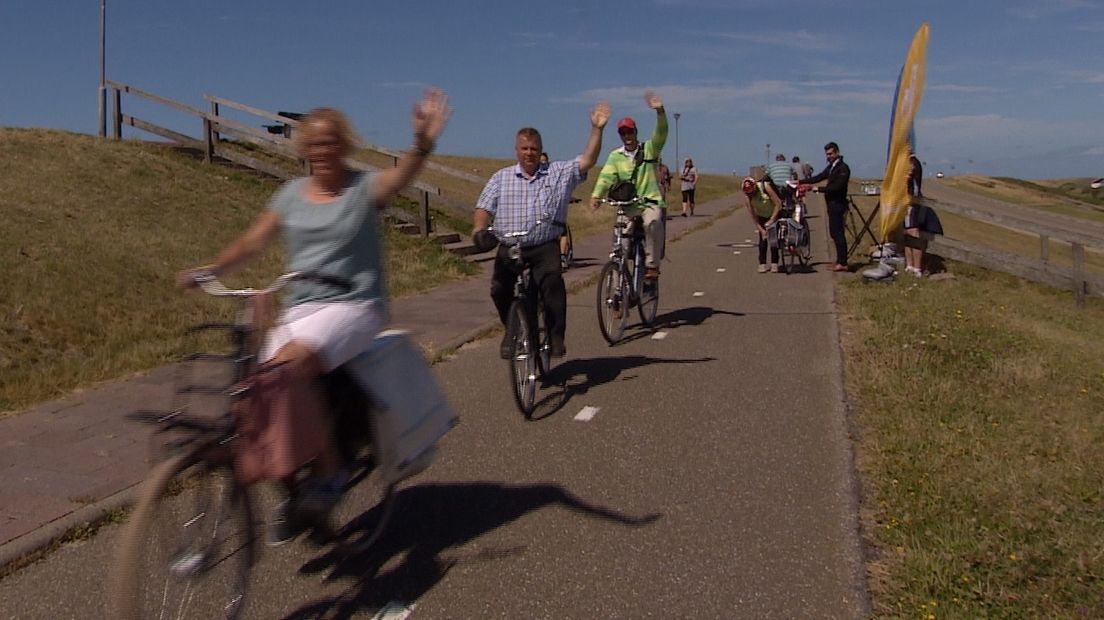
(1096, 151)
(532, 39)
(959, 88)
(792, 39)
(1037, 10)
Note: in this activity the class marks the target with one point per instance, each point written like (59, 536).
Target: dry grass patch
(92, 234)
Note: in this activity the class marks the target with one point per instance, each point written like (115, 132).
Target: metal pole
(768, 153)
(102, 99)
(678, 162)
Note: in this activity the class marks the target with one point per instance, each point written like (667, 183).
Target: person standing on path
(835, 197)
(689, 178)
(619, 167)
(526, 197)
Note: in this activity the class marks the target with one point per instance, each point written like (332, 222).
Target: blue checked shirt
(517, 202)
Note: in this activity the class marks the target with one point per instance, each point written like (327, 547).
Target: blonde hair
(336, 119)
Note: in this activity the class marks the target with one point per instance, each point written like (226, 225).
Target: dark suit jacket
(835, 191)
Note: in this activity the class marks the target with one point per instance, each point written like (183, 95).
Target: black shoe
(556, 348)
(506, 349)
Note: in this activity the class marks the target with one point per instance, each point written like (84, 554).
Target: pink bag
(283, 424)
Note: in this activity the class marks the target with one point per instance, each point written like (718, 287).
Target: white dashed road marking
(721, 270)
(659, 335)
(394, 611)
(698, 294)
(586, 414)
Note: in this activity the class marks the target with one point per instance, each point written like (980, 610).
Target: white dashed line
(736, 252)
(747, 240)
(659, 335)
(721, 270)
(586, 414)
(699, 294)
(394, 611)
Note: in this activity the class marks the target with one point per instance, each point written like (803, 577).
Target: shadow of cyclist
(695, 315)
(430, 520)
(577, 376)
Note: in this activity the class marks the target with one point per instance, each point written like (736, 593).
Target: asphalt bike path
(701, 469)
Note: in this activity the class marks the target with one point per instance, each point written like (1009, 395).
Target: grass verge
(979, 401)
(92, 235)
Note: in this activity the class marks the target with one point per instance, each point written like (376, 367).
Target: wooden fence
(213, 144)
(1076, 277)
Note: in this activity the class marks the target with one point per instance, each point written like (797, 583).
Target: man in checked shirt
(516, 198)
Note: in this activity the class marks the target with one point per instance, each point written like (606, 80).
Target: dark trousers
(836, 230)
(763, 243)
(544, 262)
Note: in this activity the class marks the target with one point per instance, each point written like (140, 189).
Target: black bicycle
(191, 542)
(622, 284)
(527, 329)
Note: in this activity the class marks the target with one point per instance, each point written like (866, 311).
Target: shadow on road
(430, 520)
(695, 315)
(577, 376)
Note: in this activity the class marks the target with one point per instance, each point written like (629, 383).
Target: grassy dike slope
(91, 235)
(978, 403)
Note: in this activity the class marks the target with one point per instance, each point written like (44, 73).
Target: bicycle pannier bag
(283, 425)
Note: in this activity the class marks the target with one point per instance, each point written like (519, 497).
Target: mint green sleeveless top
(339, 238)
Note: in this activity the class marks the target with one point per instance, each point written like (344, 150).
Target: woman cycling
(330, 225)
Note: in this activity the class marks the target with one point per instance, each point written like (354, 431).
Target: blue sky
(1013, 88)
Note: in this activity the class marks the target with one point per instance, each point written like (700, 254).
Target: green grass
(979, 404)
(92, 235)
(1063, 196)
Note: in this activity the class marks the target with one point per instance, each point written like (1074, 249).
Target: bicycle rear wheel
(785, 257)
(805, 250)
(648, 304)
(523, 359)
(613, 303)
(189, 547)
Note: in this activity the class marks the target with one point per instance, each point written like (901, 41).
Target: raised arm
(599, 116)
(429, 118)
(659, 137)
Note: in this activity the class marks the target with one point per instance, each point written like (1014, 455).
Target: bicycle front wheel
(613, 301)
(523, 359)
(189, 547)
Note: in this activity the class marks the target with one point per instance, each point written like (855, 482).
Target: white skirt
(336, 331)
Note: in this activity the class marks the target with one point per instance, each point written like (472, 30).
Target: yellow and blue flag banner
(906, 101)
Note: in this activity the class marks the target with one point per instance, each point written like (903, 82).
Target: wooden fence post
(1078, 273)
(208, 143)
(117, 116)
(1044, 248)
(215, 112)
(425, 214)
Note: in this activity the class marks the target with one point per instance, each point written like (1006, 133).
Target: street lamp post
(103, 74)
(678, 162)
(768, 153)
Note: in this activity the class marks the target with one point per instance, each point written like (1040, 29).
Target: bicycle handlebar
(208, 283)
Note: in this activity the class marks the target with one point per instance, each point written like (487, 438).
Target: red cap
(626, 122)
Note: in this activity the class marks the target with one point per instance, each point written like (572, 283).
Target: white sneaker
(774, 268)
(914, 271)
(762, 268)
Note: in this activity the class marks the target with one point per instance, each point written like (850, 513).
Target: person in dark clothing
(835, 197)
(916, 175)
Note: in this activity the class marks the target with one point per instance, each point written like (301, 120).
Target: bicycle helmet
(749, 186)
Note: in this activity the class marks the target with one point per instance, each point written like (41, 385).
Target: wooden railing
(213, 144)
(1041, 269)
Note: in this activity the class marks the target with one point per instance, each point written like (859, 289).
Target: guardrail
(212, 145)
